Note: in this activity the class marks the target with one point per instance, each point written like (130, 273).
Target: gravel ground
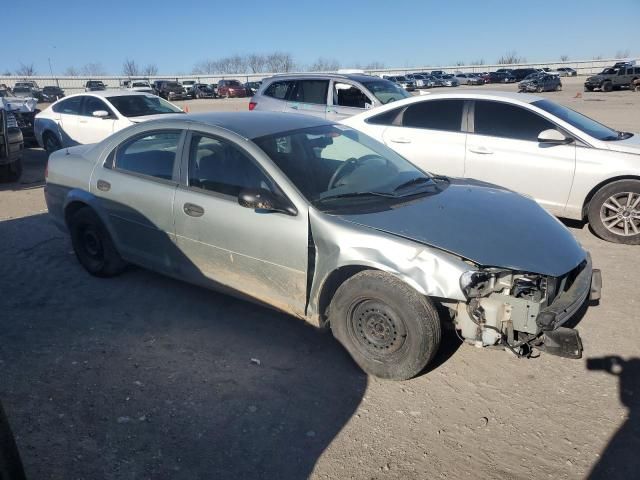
(144, 377)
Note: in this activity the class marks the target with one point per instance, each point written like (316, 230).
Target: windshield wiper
(619, 136)
(356, 195)
(413, 181)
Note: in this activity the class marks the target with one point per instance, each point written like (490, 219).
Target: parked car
(32, 84)
(326, 95)
(20, 91)
(188, 85)
(169, 90)
(94, 86)
(202, 90)
(540, 82)
(573, 166)
(419, 80)
(369, 245)
(403, 81)
(432, 80)
(11, 144)
(51, 94)
(522, 73)
(505, 70)
(500, 77)
(138, 85)
(449, 80)
(469, 79)
(231, 88)
(613, 78)
(438, 73)
(252, 87)
(22, 110)
(91, 117)
(567, 72)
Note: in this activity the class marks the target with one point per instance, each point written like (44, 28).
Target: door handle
(480, 150)
(400, 140)
(103, 186)
(82, 121)
(193, 210)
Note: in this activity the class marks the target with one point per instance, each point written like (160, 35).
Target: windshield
(386, 91)
(581, 122)
(140, 105)
(334, 165)
(609, 71)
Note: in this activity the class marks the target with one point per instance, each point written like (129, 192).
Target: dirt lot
(142, 376)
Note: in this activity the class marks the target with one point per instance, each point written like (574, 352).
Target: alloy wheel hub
(620, 213)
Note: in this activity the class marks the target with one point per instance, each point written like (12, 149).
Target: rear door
(504, 149)
(67, 116)
(430, 134)
(94, 129)
(347, 99)
(308, 97)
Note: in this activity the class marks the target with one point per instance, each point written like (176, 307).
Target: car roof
(109, 93)
(252, 125)
(357, 77)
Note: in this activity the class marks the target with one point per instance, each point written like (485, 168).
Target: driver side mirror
(101, 114)
(261, 199)
(553, 137)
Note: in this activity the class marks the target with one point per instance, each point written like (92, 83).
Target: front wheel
(607, 86)
(93, 245)
(390, 330)
(614, 212)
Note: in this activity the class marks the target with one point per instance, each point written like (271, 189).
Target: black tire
(390, 330)
(51, 142)
(607, 86)
(588, 89)
(539, 89)
(93, 245)
(598, 212)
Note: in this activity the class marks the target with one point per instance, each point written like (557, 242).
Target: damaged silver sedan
(324, 223)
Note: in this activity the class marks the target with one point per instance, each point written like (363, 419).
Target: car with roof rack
(327, 95)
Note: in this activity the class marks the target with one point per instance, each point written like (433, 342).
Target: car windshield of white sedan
(386, 91)
(336, 164)
(581, 122)
(141, 105)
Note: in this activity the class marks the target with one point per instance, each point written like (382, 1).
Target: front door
(258, 253)
(504, 150)
(95, 129)
(346, 100)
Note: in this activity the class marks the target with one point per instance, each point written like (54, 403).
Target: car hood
(486, 224)
(629, 145)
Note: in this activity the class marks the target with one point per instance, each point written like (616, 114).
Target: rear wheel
(614, 212)
(93, 245)
(390, 330)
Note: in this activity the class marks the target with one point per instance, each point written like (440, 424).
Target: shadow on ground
(141, 376)
(34, 162)
(621, 457)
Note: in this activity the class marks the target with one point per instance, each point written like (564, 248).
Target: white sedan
(570, 164)
(91, 117)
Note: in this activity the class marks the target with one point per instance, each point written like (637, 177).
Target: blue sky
(175, 35)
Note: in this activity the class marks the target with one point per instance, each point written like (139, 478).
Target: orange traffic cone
(186, 108)
(578, 95)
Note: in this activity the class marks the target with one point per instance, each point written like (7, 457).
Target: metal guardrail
(76, 84)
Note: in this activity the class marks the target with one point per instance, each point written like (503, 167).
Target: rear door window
(152, 154)
(504, 120)
(278, 90)
(70, 106)
(310, 91)
(435, 115)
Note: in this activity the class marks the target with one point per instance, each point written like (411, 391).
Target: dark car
(51, 94)
(231, 88)
(23, 92)
(202, 90)
(11, 146)
(169, 90)
(94, 86)
(522, 73)
(501, 77)
(252, 87)
(540, 82)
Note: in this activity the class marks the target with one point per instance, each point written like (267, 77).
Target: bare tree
(510, 58)
(26, 70)
(280, 62)
(72, 72)
(564, 58)
(374, 66)
(93, 70)
(460, 63)
(598, 57)
(479, 61)
(324, 65)
(130, 68)
(622, 53)
(256, 63)
(206, 66)
(151, 70)
(7, 73)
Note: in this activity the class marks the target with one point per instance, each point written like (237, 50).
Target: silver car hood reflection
(486, 224)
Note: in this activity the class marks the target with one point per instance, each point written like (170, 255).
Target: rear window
(278, 90)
